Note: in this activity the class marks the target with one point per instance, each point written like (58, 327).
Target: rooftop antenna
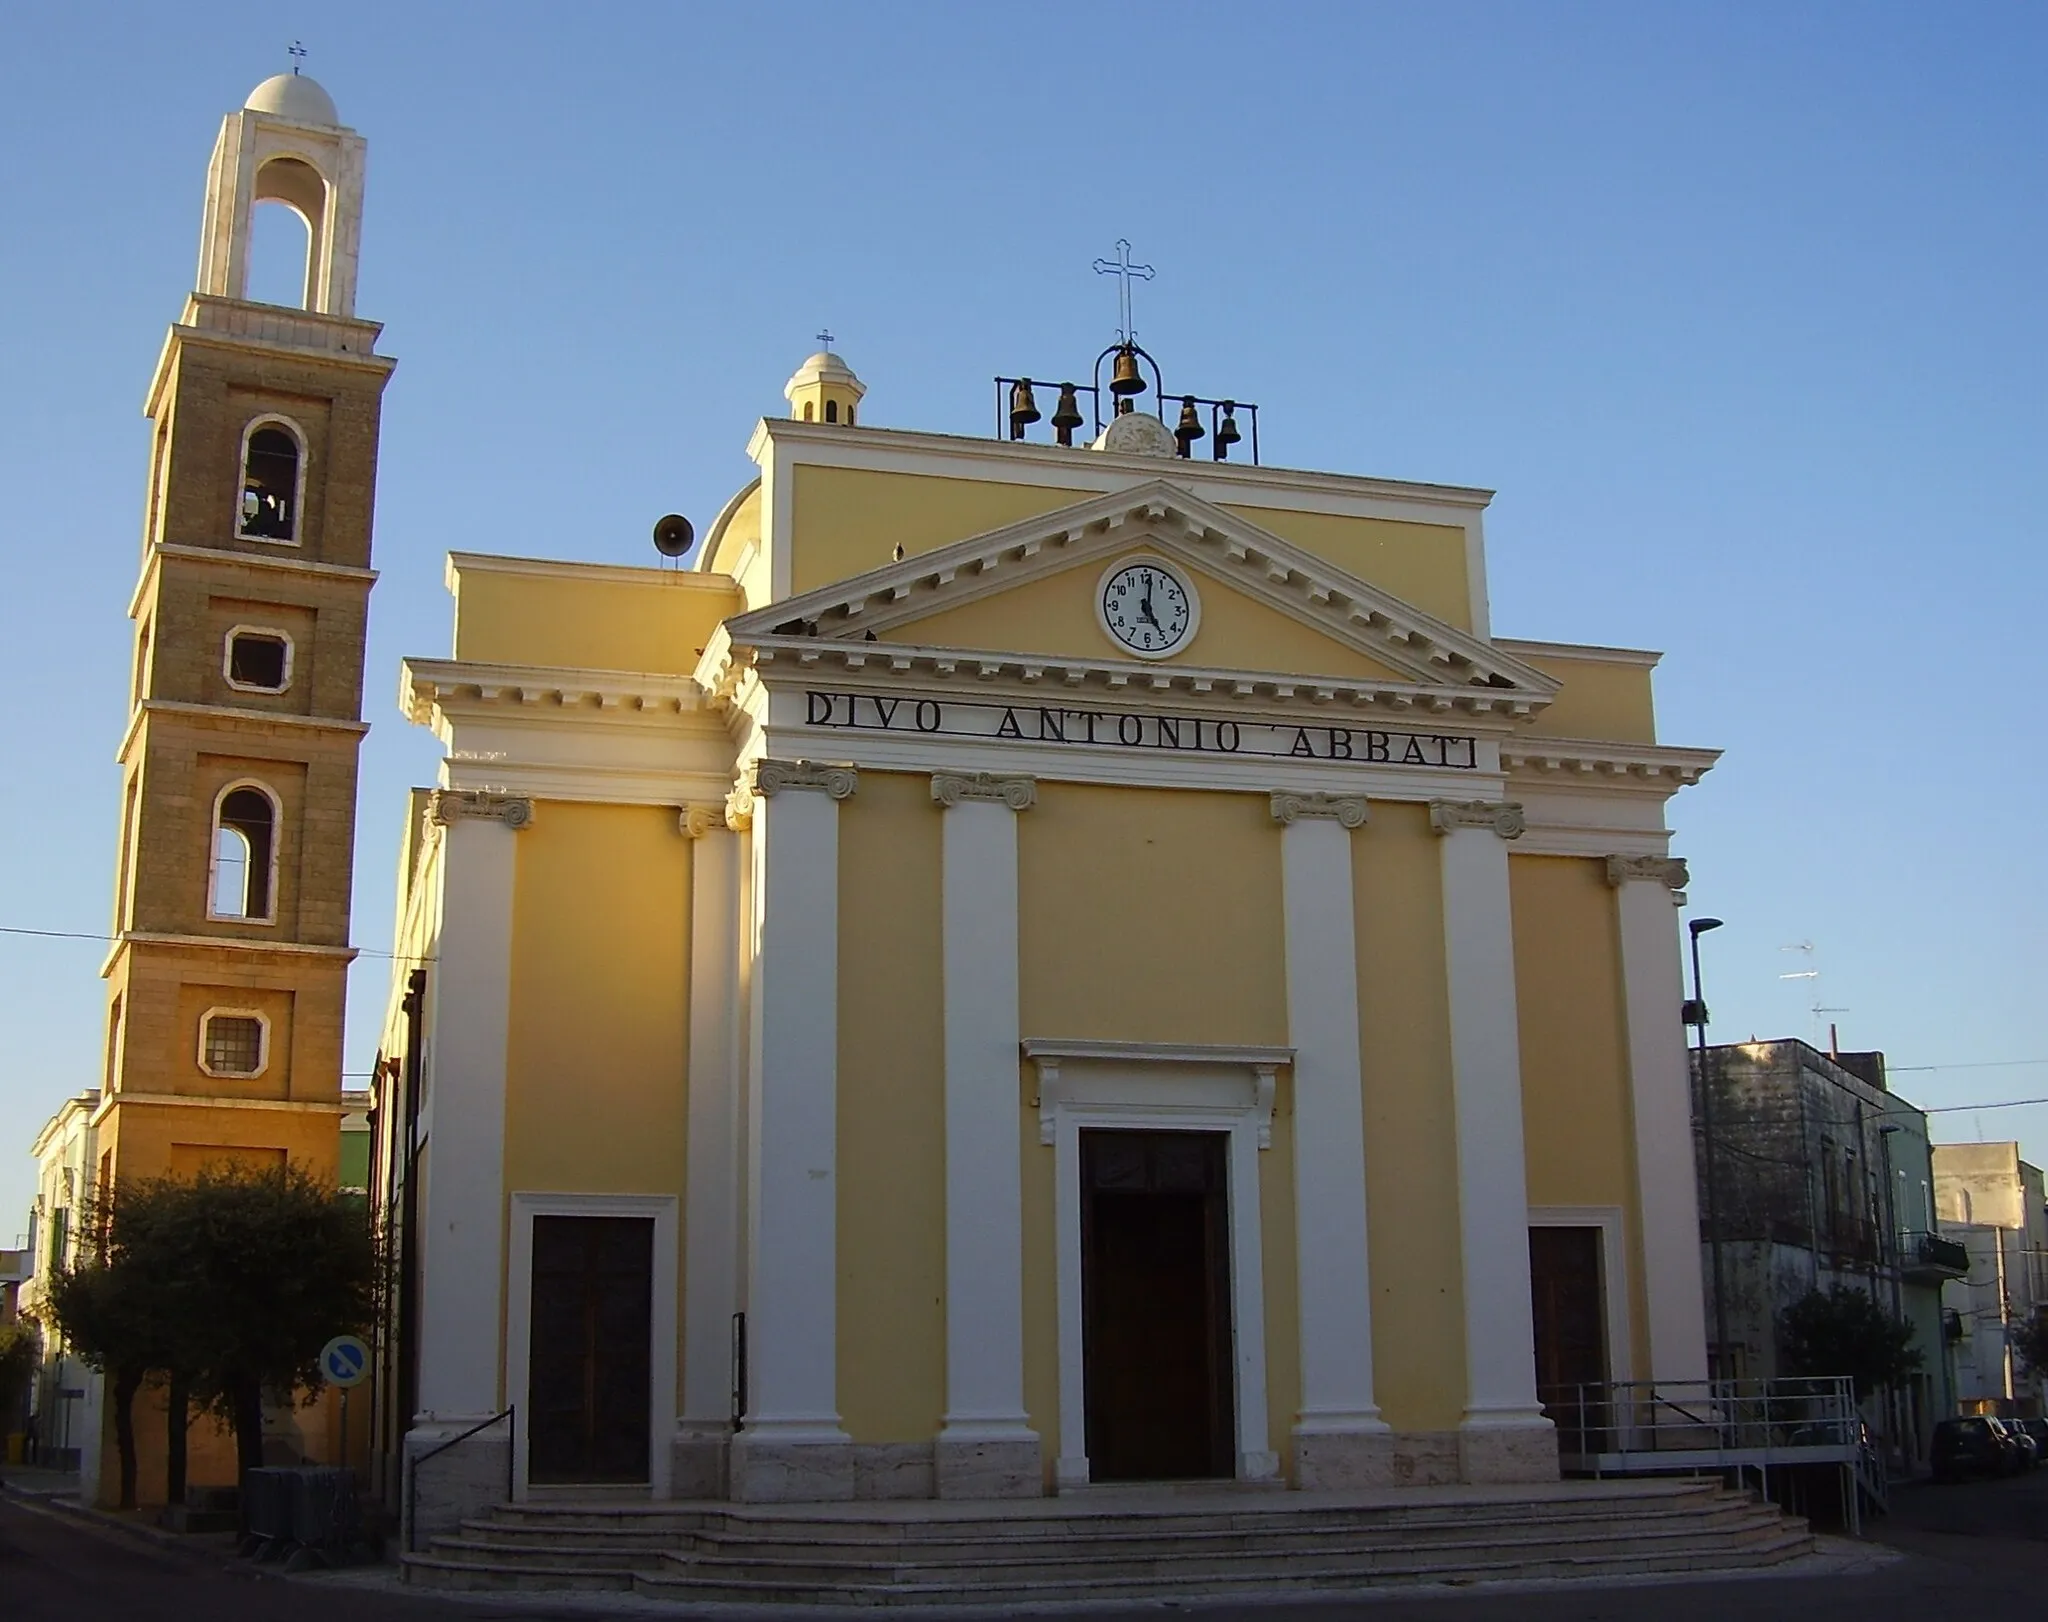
(297, 53)
(1123, 269)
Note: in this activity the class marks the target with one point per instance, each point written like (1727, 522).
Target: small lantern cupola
(824, 389)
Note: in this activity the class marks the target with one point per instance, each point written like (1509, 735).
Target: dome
(824, 367)
(295, 97)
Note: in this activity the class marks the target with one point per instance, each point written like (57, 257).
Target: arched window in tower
(244, 869)
(273, 467)
(831, 410)
(807, 411)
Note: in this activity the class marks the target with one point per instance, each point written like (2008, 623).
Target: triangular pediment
(950, 597)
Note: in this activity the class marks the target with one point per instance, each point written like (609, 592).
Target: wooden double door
(1155, 1319)
(589, 1368)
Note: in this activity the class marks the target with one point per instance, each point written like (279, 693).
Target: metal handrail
(412, 1467)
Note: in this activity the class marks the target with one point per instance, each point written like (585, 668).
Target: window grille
(234, 1044)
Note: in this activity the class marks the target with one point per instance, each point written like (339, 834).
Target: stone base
(1507, 1452)
(698, 1462)
(1008, 1467)
(1337, 1461)
(461, 1482)
(771, 1470)
(892, 1470)
(1426, 1459)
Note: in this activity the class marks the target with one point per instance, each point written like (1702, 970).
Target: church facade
(1030, 965)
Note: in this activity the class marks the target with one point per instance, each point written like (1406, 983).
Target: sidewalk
(30, 1481)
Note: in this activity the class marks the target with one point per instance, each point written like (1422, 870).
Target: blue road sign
(344, 1361)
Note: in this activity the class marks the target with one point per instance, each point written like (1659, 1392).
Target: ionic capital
(699, 818)
(1668, 871)
(952, 788)
(765, 778)
(448, 805)
(1503, 817)
(1346, 810)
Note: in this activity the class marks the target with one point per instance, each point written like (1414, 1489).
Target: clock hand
(1145, 605)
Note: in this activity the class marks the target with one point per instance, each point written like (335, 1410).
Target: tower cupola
(825, 389)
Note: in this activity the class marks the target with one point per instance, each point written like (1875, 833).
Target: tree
(274, 1264)
(228, 1285)
(1845, 1332)
(2028, 1338)
(118, 1307)
(19, 1353)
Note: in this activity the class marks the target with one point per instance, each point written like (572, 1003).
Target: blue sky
(1738, 307)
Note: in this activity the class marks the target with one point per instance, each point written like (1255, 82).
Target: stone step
(438, 1571)
(1368, 1556)
(492, 1529)
(1301, 1577)
(1278, 1539)
(556, 1555)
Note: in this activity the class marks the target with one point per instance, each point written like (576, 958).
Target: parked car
(2030, 1450)
(2038, 1430)
(1977, 1445)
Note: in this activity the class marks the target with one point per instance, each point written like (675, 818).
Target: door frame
(1614, 1291)
(661, 1350)
(1161, 1088)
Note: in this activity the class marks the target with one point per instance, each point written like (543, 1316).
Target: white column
(986, 1448)
(791, 1448)
(712, 1189)
(1339, 1438)
(462, 1204)
(1503, 1435)
(1667, 1182)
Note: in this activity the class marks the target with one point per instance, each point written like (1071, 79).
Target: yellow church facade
(1029, 966)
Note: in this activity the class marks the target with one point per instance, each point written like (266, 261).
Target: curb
(102, 1523)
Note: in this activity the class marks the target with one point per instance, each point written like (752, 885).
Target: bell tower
(226, 982)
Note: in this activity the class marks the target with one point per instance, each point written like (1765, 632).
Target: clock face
(1147, 608)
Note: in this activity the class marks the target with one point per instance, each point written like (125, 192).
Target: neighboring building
(1993, 1202)
(1823, 1178)
(225, 983)
(66, 1397)
(1102, 960)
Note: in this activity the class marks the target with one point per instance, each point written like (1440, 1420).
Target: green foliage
(20, 1351)
(2028, 1338)
(230, 1283)
(1845, 1332)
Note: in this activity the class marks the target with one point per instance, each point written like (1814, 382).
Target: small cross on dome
(824, 340)
(297, 53)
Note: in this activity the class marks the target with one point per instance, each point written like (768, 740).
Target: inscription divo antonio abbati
(1131, 729)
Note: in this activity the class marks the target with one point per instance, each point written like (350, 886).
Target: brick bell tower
(226, 983)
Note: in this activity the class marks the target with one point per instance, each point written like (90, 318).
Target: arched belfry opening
(288, 219)
(287, 148)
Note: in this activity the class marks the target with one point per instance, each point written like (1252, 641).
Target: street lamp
(1696, 1017)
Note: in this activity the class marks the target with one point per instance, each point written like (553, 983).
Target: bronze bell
(1189, 428)
(1124, 377)
(1066, 416)
(1023, 408)
(1226, 430)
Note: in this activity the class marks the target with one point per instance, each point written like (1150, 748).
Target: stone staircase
(1110, 1545)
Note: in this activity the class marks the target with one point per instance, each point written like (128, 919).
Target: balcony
(1928, 1258)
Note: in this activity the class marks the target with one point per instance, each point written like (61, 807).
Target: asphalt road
(1978, 1550)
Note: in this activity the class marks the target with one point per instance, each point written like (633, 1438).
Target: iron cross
(824, 340)
(1122, 268)
(297, 52)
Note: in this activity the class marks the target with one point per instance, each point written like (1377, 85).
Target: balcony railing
(1930, 1258)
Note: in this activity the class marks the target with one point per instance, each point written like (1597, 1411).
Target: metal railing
(1649, 1427)
(413, 1463)
(1933, 1254)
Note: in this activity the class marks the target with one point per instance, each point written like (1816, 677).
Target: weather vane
(1122, 268)
(297, 53)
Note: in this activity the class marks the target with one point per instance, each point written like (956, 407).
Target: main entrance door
(1569, 1317)
(1155, 1316)
(587, 1408)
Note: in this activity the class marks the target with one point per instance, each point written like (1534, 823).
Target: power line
(77, 935)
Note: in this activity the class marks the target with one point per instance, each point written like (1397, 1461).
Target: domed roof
(296, 97)
(827, 369)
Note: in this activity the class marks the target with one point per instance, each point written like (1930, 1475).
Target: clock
(1147, 607)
